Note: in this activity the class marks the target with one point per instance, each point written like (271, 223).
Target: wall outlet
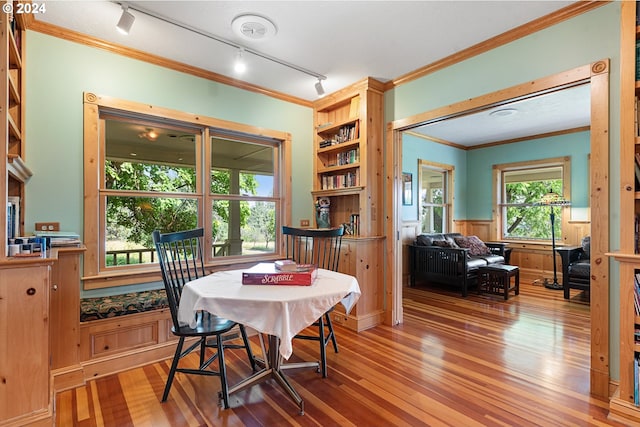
(304, 223)
(339, 318)
(47, 226)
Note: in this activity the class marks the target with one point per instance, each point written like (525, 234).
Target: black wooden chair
(320, 247)
(576, 267)
(180, 255)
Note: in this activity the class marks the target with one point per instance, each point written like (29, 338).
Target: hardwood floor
(479, 361)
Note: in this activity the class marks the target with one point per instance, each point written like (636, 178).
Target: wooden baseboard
(67, 378)
(101, 367)
(358, 323)
(39, 419)
(624, 412)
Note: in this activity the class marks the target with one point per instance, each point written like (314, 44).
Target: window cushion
(120, 305)
(474, 244)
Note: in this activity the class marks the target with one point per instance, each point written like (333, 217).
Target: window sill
(151, 273)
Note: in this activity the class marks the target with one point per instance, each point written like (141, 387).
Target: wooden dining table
(278, 311)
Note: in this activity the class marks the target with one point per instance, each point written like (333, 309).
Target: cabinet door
(24, 341)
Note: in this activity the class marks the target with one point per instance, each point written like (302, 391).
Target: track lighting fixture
(126, 21)
(240, 66)
(319, 88)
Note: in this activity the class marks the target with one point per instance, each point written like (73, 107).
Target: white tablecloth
(277, 310)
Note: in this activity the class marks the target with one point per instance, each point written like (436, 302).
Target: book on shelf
(637, 169)
(13, 217)
(637, 60)
(636, 374)
(636, 293)
(346, 180)
(266, 273)
(636, 110)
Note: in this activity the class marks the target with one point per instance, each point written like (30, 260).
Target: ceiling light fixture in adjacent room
(149, 134)
(126, 21)
(503, 112)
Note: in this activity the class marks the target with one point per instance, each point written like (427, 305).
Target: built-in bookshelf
(348, 155)
(14, 172)
(348, 172)
(625, 404)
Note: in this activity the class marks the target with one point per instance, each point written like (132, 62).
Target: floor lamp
(552, 200)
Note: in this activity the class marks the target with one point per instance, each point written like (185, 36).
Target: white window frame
(562, 215)
(447, 205)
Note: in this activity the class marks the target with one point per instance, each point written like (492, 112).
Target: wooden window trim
(93, 237)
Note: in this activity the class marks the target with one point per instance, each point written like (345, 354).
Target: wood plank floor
(478, 361)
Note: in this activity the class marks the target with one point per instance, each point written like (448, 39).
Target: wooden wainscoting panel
(105, 337)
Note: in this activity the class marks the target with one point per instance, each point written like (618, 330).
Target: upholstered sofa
(576, 266)
(452, 259)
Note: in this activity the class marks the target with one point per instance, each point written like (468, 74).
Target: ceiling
(342, 40)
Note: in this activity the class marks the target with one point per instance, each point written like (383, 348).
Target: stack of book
(60, 238)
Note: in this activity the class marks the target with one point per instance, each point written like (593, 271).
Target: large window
(523, 190)
(435, 184)
(171, 173)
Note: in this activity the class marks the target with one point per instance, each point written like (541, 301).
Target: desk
(276, 310)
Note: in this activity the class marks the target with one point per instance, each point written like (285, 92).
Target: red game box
(267, 274)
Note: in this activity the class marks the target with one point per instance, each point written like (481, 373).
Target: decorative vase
(322, 212)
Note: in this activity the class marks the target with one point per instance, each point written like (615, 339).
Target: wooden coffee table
(496, 279)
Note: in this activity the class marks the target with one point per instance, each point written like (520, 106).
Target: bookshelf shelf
(339, 168)
(347, 145)
(331, 128)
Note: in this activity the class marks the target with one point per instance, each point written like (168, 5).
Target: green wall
(58, 72)
(587, 38)
(473, 192)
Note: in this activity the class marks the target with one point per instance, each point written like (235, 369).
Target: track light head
(319, 88)
(240, 66)
(126, 21)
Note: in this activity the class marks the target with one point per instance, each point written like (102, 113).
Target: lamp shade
(553, 199)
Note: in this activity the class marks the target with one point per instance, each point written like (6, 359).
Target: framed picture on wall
(407, 188)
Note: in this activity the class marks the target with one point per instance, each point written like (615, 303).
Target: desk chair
(320, 247)
(180, 256)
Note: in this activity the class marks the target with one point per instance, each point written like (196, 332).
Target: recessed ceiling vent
(253, 27)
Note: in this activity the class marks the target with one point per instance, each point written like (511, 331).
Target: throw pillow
(442, 243)
(424, 240)
(474, 244)
(446, 242)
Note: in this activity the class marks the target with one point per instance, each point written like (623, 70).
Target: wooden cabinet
(13, 170)
(25, 396)
(622, 404)
(65, 318)
(348, 172)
